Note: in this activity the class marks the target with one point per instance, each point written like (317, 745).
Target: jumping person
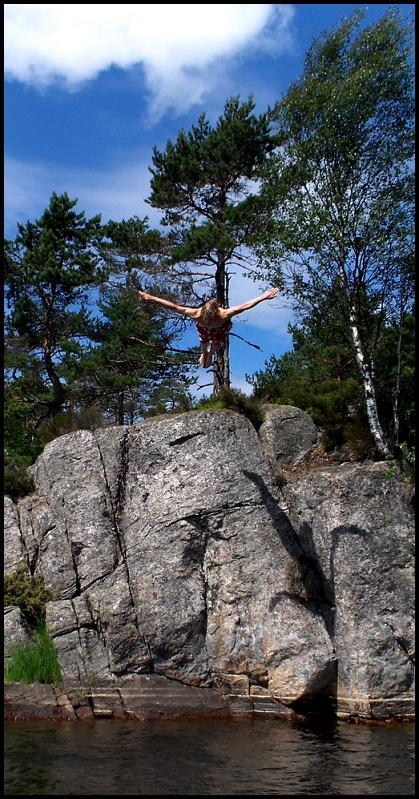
(213, 322)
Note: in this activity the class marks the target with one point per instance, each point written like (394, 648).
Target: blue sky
(89, 90)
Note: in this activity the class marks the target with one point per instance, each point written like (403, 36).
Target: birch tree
(340, 183)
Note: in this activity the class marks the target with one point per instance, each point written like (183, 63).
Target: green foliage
(133, 243)
(331, 400)
(79, 352)
(340, 186)
(21, 445)
(29, 593)
(334, 404)
(395, 379)
(19, 440)
(235, 400)
(69, 420)
(392, 469)
(205, 171)
(321, 376)
(50, 270)
(408, 462)
(349, 431)
(170, 397)
(37, 662)
(131, 357)
(408, 454)
(402, 462)
(201, 182)
(290, 381)
(357, 437)
(17, 482)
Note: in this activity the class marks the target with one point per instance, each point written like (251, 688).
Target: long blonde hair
(209, 311)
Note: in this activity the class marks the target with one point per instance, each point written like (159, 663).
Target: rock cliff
(177, 564)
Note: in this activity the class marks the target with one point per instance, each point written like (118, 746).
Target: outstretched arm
(270, 294)
(183, 309)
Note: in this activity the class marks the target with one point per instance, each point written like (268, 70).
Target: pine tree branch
(157, 346)
(256, 346)
(204, 385)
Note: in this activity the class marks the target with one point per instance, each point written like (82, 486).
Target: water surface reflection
(211, 757)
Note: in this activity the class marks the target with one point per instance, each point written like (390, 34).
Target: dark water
(198, 758)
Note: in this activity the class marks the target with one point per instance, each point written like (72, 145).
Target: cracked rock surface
(170, 552)
(356, 523)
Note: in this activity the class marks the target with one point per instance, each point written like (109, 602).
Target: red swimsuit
(217, 335)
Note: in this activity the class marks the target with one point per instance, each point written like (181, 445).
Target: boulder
(286, 434)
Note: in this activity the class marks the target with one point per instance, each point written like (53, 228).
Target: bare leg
(212, 351)
(204, 354)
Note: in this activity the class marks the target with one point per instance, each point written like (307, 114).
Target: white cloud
(183, 48)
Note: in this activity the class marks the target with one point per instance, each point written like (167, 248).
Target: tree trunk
(120, 408)
(222, 359)
(369, 390)
(59, 393)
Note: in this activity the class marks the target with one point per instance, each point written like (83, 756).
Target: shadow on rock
(307, 582)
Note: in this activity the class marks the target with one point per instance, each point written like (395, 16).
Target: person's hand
(271, 293)
(144, 295)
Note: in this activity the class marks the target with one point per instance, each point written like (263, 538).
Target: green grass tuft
(37, 662)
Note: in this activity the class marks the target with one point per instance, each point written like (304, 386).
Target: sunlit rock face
(171, 555)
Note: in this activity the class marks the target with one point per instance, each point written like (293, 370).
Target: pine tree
(50, 269)
(206, 184)
(131, 361)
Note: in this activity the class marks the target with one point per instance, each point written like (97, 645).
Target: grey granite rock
(16, 631)
(168, 553)
(287, 433)
(13, 546)
(356, 525)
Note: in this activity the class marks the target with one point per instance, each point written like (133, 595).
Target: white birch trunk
(369, 390)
